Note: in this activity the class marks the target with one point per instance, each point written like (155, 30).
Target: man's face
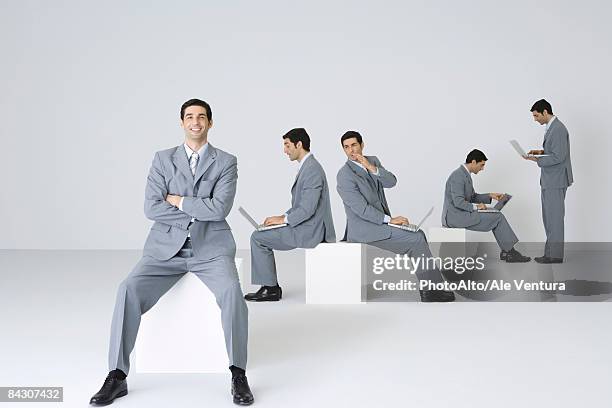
(540, 117)
(477, 167)
(291, 150)
(195, 123)
(352, 148)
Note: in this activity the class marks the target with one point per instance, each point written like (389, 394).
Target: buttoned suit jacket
(208, 197)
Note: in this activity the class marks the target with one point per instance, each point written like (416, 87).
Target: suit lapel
(547, 133)
(468, 180)
(180, 160)
(205, 162)
(362, 174)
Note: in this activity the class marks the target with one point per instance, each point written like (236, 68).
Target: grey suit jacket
(310, 216)
(556, 169)
(459, 195)
(364, 201)
(208, 197)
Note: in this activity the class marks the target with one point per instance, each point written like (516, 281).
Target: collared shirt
(199, 152)
(189, 152)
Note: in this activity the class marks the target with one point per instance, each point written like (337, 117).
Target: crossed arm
(163, 207)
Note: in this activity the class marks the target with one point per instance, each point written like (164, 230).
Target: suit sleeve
(352, 198)
(218, 205)
(156, 207)
(481, 198)
(557, 149)
(386, 178)
(310, 196)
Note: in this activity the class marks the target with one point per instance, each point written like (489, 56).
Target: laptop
(258, 227)
(497, 207)
(412, 227)
(522, 152)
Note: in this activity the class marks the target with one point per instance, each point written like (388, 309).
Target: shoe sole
(521, 261)
(262, 300)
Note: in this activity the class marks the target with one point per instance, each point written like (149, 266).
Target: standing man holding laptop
(555, 177)
(309, 220)
(464, 208)
(361, 184)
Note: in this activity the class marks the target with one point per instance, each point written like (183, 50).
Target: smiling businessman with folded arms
(309, 220)
(555, 177)
(190, 190)
(361, 184)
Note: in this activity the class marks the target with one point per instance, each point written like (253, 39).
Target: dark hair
(299, 135)
(196, 102)
(542, 105)
(349, 135)
(475, 155)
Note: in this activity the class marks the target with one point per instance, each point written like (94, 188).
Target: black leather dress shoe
(502, 255)
(265, 294)
(436, 296)
(548, 260)
(514, 256)
(240, 390)
(111, 389)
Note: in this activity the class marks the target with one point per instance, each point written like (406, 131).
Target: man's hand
(531, 158)
(535, 152)
(275, 220)
(399, 220)
(173, 200)
(364, 162)
(497, 196)
(481, 206)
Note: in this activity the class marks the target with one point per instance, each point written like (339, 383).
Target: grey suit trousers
(504, 235)
(151, 278)
(263, 264)
(413, 244)
(553, 214)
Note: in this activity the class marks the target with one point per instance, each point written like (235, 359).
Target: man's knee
(256, 238)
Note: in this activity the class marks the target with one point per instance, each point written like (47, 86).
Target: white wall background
(90, 90)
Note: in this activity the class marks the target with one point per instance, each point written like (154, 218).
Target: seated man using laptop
(308, 221)
(464, 208)
(361, 184)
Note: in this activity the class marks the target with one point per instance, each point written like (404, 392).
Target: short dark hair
(349, 135)
(298, 135)
(542, 105)
(196, 102)
(475, 155)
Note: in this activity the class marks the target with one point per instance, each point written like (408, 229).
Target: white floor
(57, 307)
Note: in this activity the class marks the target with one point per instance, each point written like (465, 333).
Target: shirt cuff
(376, 173)
(474, 206)
(285, 219)
(386, 219)
(180, 206)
